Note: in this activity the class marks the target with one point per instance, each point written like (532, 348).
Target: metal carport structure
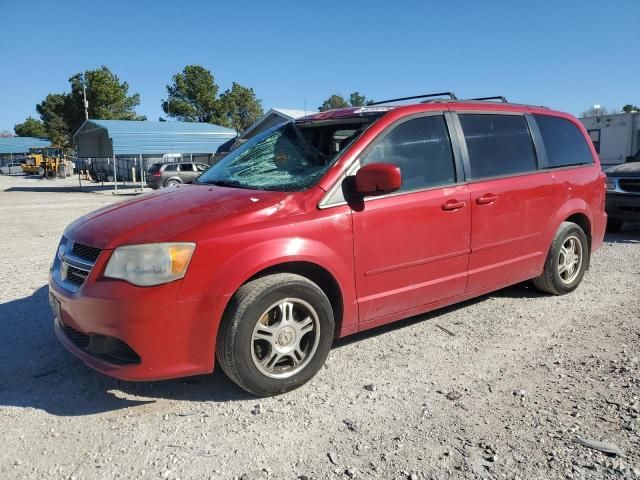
(14, 147)
(132, 146)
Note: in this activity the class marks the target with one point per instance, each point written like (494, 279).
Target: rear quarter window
(564, 143)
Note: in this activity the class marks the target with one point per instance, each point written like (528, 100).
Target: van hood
(631, 169)
(164, 214)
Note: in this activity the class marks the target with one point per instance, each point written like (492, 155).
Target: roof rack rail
(501, 98)
(428, 95)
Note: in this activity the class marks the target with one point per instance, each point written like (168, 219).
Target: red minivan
(326, 226)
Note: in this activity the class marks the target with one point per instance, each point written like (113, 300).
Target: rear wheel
(276, 334)
(566, 262)
(172, 182)
(614, 225)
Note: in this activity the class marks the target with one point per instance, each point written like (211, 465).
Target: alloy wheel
(285, 338)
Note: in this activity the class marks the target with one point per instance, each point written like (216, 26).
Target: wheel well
(317, 275)
(583, 222)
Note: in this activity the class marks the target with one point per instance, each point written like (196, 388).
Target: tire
(171, 182)
(555, 281)
(255, 310)
(614, 225)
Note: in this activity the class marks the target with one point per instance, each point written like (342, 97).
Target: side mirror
(378, 178)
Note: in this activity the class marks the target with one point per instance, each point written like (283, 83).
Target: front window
(421, 148)
(288, 157)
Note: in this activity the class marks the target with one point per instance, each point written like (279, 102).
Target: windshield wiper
(223, 183)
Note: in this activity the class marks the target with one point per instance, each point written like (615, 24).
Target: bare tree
(595, 111)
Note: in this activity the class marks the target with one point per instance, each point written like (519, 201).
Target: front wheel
(566, 262)
(276, 334)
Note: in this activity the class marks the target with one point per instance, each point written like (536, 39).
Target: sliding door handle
(486, 199)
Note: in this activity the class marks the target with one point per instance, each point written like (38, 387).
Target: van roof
(488, 104)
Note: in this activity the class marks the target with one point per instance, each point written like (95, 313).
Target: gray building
(273, 117)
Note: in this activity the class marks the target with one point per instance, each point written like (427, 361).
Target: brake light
(156, 174)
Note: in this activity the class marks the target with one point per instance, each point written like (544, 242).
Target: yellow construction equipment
(48, 162)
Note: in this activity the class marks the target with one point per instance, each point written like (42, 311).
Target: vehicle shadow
(630, 233)
(520, 290)
(37, 372)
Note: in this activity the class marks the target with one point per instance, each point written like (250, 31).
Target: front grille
(629, 184)
(109, 349)
(86, 252)
(79, 339)
(76, 276)
(120, 354)
(74, 263)
(628, 209)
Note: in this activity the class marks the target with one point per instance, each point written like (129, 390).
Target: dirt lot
(503, 397)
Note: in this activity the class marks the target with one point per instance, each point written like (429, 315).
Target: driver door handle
(453, 205)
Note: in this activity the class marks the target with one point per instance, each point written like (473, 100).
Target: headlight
(150, 264)
(611, 183)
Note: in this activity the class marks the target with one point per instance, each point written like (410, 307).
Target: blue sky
(565, 54)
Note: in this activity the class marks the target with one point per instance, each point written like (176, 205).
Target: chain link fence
(131, 170)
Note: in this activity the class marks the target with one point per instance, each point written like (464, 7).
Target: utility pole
(84, 100)
(596, 110)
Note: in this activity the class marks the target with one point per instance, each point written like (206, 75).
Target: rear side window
(421, 148)
(498, 145)
(563, 141)
(170, 168)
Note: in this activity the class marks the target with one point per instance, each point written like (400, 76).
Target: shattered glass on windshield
(288, 157)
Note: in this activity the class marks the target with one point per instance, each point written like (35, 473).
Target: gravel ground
(503, 396)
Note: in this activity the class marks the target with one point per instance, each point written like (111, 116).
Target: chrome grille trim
(70, 270)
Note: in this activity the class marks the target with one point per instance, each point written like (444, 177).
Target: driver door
(412, 246)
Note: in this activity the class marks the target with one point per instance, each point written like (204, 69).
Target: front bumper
(623, 206)
(166, 337)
